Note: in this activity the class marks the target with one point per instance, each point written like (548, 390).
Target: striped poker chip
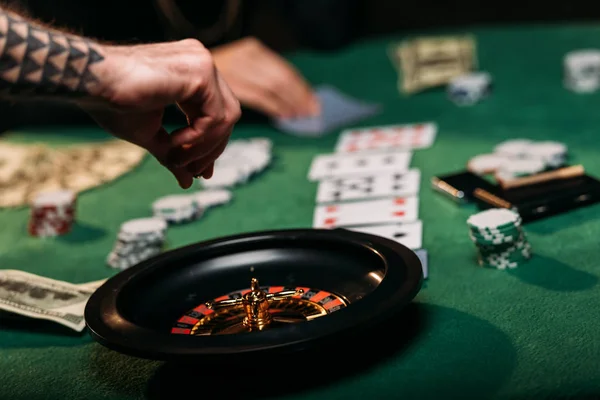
(138, 240)
(52, 213)
(499, 238)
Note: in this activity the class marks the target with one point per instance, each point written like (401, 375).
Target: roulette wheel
(261, 293)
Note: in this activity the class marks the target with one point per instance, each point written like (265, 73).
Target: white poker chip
(59, 198)
(174, 203)
(224, 176)
(262, 142)
(144, 226)
(487, 163)
(522, 167)
(493, 218)
(582, 70)
(212, 197)
(513, 148)
(554, 154)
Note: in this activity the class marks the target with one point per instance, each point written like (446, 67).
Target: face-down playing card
(338, 165)
(369, 212)
(337, 110)
(369, 186)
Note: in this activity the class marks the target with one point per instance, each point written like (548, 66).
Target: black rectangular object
(545, 199)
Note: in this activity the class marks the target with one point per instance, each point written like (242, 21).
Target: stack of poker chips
(582, 71)
(500, 240)
(177, 209)
(52, 213)
(553, 154)
(138, 240)
(241, 160)
(469, 89)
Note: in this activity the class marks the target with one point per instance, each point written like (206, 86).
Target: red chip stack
(52, 213)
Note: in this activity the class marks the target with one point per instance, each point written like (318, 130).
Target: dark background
(322, 25)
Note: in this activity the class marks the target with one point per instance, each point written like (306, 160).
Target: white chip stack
(241, 160)
(138, 240)
(582, 70)
(469, 89)
(177, 208)
(212, 198)
(519, 157)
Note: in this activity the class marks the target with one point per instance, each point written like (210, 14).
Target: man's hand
(264, 81)
(126, 89)
(136, 83)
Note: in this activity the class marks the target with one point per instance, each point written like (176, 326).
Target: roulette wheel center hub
(255, 304)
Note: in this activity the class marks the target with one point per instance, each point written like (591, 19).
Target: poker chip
(469, 89)
(581, 71)
(52, 213)
(487, 163)
(520, 167)
(212, 198)
(241, 160)
(500, 240)
(514, 148)
(177, 209)
(553, 154)
(138, 240)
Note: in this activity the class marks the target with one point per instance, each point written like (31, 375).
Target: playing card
(408, 234)
(370, 212)
(338, 165)
(337, 110)
(423, 257)
(369, 186)
(412, 136)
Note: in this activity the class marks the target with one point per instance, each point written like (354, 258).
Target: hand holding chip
(138, 82)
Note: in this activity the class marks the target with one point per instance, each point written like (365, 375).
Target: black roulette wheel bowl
(134, 311)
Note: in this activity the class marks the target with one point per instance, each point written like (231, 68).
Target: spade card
(409, 234)
(369, 212)
(339, 165)
(369, 186)
(412, 136)
(337, 110)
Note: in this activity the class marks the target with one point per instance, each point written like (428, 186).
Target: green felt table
(533, 332)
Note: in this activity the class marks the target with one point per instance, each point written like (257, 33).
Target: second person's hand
(264, 81)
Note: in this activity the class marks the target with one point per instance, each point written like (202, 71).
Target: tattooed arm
(125, 89)
(38, 61)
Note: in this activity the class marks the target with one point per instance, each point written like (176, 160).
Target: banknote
(39, 297)
(427, 62)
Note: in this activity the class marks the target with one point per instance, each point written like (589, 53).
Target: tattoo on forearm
(39, 61)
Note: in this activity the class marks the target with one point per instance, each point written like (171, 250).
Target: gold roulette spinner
(257, 309)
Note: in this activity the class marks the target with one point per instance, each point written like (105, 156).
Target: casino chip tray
(261, 293)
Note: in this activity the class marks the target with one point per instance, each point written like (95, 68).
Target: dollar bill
(39, 297)
(432, 61)
(92, 285)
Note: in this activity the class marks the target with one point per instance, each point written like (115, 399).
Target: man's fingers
(205, 110)
(205, 165)
(159, 147)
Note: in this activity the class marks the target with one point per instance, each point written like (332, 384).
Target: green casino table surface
(532, 332)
